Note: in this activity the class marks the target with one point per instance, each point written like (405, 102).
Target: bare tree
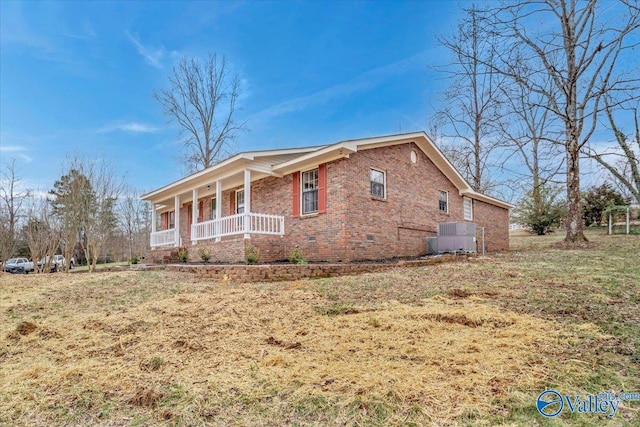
(473, 99)
(623, 161)
(528, 128)
(135, 222)
(102, 219)
(577, 45)
(202, 100)
(42, 233)
(12, 197)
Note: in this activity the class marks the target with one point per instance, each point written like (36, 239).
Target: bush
(183, 254)
(541, 211)
(252, 254)
(205, 254)
(134, 260)
(297, 257)
(597, 200)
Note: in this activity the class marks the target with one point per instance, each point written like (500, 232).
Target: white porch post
(177, 221)
(247, 203)
(194, 214)
(218, 208)
(154, 220)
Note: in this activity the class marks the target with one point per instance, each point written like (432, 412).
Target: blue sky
(78, 77)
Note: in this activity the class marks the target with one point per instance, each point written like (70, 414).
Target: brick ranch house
(364, 199)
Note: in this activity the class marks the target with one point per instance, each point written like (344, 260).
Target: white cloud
(134, 127)
(16, 151)
(11, 148)
(86, 32)
(363, 82)
(153, 57)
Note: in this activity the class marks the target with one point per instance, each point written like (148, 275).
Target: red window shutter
(322, 188)
(165, 220)
(296, 194)
(200, 211)
(232, 203)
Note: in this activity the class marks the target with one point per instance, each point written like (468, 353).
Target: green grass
(101, 266)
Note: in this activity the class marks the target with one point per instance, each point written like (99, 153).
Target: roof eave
(487, 199)
(324, 155)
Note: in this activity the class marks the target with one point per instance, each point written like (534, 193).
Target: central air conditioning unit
(432, 246)
(457, 237)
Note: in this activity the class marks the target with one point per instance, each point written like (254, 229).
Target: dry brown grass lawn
(461, 344)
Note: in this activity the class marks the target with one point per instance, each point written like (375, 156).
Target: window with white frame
(378, 180)
(309, 184)
(214, 202)
(467, 207)
(443, 201)
(172, 219)
(240, 201)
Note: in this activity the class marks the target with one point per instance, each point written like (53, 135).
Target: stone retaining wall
(283, 272)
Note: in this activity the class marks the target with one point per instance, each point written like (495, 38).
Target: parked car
(18, 265)
(53, 265)
(60, 261)
(7, 262)
(57, 263)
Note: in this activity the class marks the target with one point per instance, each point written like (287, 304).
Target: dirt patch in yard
(437, 360)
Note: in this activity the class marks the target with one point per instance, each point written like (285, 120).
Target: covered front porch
(243, 223)
(216, 206)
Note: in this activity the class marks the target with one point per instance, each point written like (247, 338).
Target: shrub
(297, 257)
(596, 201)
(252, 254)
(205, 254)
(541, 211)
(183, 254)
(134, 260)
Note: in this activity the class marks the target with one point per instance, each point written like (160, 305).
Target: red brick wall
(399, 224)
(496, 223)
(229, 250)
(356, 225)
(321, 237)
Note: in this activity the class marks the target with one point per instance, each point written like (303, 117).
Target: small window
(467, 206)
(378, 183)
(214, 202)
(172, 219)
(443, 201)
(309, 191)
(240, 201)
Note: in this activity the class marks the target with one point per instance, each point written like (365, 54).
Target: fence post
(628, 220)
(610, 224)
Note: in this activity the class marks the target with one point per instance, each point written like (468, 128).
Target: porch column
(177, 221)
(154, 220)
(247, 203)
(194, 214)
(218, 208)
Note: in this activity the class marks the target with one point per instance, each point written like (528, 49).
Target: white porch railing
(238, 224)
(163, 238)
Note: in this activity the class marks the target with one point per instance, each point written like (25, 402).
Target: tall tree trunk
(574, 225)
